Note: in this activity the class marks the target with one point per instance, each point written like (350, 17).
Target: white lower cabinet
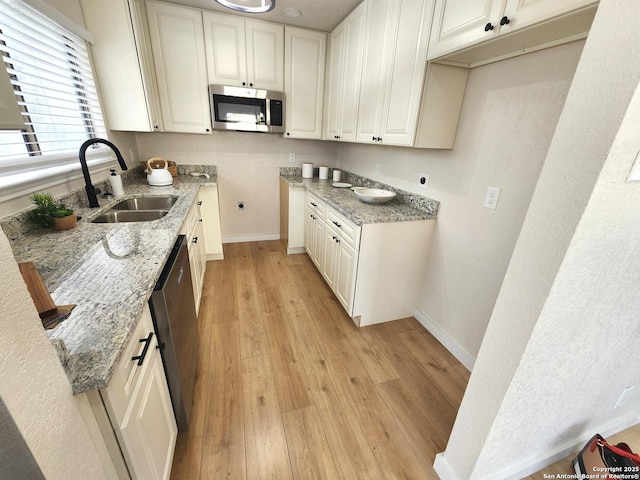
(194, 230)
(210, 213)
(375, 270)
(139, 407)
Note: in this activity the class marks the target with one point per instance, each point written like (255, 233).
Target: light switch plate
(491, 199)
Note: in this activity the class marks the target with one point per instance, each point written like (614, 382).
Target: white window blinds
(51, 76)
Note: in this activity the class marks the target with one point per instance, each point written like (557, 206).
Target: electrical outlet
(622, 399)
(423, 180)
(241, 205)
(491, 199)
(377, 169)
(292, 158)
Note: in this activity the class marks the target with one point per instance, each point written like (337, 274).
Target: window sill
(25, 183)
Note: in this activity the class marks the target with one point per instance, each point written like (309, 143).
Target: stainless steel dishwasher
(174, 317)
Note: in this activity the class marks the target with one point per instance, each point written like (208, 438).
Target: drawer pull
(313, 204)
(195, 240)
(337, 224)
(200, 203)
(147, 342)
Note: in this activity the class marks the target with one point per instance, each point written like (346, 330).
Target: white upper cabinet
(459, 24)
(343, 76)
(123, 64)
(177, 42)
(243, 52)
(304, 61)
(10, 116)
(393, 71)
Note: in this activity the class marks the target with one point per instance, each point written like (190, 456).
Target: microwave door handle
(268, 119)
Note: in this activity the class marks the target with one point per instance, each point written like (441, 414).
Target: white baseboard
(445, 339)
(443, 469)
(570, 447)
(250, 238)
(295, 250)
(215, 256)
(532, 465)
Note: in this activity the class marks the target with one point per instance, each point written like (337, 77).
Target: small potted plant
(51, 213)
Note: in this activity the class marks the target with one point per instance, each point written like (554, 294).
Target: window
(51, 76)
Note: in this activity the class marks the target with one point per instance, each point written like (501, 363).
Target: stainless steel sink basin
(117, 216)
(146, 203)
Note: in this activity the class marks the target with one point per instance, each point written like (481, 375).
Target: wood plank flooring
(289, 388)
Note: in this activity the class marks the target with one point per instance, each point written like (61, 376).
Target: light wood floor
(289, 388)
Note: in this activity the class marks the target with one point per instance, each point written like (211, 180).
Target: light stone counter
(404, 207)
(107, 270)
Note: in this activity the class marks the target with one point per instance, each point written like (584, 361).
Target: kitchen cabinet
(332, 242)
(393, 71)
(10, 116)
(375, 270)
(139, 407)
(304, 62)
(344, 69)
(177, 43)
(292, 216)
(123, 65)
(460, 24)
(194, 230)
(244, 52)
(210, 213)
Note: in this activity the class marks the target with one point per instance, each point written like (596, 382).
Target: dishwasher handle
(147, 342)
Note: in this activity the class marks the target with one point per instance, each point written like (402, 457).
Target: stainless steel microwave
(246, 109)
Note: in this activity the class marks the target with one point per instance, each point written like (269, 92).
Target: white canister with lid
(337, 175)
(307, 170)
(324, 173)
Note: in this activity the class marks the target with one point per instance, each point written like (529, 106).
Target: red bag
(599, 459)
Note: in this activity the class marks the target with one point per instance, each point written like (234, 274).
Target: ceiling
(316, 14)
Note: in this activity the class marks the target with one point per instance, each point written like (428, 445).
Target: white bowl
(373, 195)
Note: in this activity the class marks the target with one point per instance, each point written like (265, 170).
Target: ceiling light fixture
(292, 12)
(249, 6)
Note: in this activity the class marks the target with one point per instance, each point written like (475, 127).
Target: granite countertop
(403, 208)
(109, 272)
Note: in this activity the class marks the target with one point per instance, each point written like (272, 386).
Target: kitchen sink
(118, 216)
(146, 203)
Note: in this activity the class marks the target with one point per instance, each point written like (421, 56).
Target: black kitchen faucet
(91, 191)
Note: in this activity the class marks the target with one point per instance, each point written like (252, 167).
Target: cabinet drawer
(316, 205)
(117, 395)
(348, 231)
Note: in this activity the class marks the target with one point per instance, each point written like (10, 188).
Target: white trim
(256, 237)
(443, 469)
(570, 447)
(214, 256)
(296, 250)
(62, 20)
(445, 339)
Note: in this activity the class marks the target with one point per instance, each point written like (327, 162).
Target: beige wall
(507, 121)
(35, 388)
(248, 170)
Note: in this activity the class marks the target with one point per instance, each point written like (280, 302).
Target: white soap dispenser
(116, 183)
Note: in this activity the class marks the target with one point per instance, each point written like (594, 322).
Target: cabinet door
(334, 92)
(308, 232)
(148, 434)
(329, 261)
(354, 49)
(305, 52)
(123, 65)
(523, 13)
(374, 73)
(10, 116)
(318, 242)
(345, 275)
(210, 211)
(406, 75)
(460, 23)
(177, 41)
(226, 49)
(265, 55)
